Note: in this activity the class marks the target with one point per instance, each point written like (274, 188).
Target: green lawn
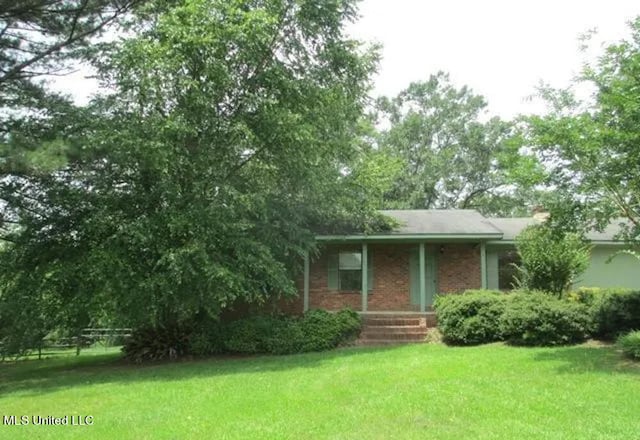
(420, 391)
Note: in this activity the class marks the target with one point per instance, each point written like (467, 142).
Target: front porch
(428, 252)
(391, 277)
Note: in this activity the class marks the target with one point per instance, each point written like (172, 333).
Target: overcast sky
(500, 48)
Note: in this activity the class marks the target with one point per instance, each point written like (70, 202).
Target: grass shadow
(589, 358)
(37, 377)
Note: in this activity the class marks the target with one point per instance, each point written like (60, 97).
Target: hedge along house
(433, 252)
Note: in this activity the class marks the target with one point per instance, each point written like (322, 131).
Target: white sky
(500, 48)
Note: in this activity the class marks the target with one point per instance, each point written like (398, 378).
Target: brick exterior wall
(458, 269)
(391, 282)
(320, 297)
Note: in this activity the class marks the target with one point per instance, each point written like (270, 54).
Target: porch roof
(437, 224)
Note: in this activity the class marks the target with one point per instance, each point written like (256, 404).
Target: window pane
(350, 260)
(350, 280)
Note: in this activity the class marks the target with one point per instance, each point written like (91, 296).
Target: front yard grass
(420, 391)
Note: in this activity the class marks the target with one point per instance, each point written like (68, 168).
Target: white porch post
(365, 277)
(423, 280)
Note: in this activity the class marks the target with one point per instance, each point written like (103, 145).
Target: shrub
(615, 311)
(540, 319)
(323, 330)
(584, 295)
(630, 344)
(248, 335)
(350, 325)
(154, 343)
(589, 295)
(550, 260)
(470, 318)
(286, 336)
(207, 338)
(317, 330)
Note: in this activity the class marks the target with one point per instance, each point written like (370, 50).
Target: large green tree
(39, 39)
(452, 157)
(230, 136)
(592, 146)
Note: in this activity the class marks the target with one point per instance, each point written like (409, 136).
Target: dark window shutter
(370, 270)
(332, 275)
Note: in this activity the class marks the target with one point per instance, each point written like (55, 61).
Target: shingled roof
(441, 222)
(460, 224)
(511, 227)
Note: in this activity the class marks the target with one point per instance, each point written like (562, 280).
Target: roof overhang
(593, 242)
(408, 237)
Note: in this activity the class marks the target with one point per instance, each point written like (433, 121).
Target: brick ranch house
(433, 252)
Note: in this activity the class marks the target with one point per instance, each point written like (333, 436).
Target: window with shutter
(332, 277)
(345, 271)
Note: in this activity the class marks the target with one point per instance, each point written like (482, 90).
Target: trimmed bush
(317, 330)
(323, 330)
(630, 345)
(248, 335)
(286, 336)
(589, 295)
(615, 311)
(470, 318)
(350, 325)
(540, 319)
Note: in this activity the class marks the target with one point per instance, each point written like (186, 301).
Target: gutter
(405, 237)
(595, 242)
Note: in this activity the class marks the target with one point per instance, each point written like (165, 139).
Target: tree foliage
(41, 38)
(450, 156)
(551, 261)
(36, 36)
(591, 146)
(229, 138)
